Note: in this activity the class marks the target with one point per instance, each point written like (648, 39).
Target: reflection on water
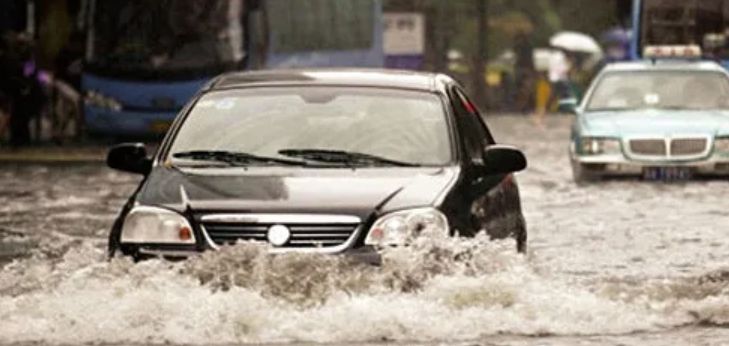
(605, 262)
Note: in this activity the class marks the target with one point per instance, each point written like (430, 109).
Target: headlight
(96, 99)
(597, 146)
(721, 146)
(150, 225)
(401, 227)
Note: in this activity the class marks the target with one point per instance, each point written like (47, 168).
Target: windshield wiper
(234, 158)
(344, 157)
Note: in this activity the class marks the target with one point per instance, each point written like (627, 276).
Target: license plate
(667, 173)
(160, 126)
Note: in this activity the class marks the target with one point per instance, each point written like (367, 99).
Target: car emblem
(278, 235)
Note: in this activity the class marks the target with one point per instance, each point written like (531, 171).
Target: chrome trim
(294, 219)
(281, 250)
(167, 253)
(668, 140)
(290, 220)
(321, 235)
(207, 238)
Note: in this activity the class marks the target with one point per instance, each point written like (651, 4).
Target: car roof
(383, 78)
(665, 65)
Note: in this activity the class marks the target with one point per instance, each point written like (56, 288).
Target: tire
(521, 237)
(582, 176)
(521, 243)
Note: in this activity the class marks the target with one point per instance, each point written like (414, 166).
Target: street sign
(404, 33)
(404, 40)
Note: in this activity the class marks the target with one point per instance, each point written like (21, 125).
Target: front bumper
(365, 255)
(619, 165)
(308, 234)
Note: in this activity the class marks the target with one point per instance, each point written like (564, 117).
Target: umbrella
(575, 42)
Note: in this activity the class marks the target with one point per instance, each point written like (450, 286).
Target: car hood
(662, 123)
(291, 190)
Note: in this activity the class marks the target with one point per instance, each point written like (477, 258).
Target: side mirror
(568, 105)
(503, 159)
(129, 157)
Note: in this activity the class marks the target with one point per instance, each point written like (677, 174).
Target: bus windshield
(687, 22)
(162, 38)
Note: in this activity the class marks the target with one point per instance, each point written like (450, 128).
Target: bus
(145, 59)
(682, 23)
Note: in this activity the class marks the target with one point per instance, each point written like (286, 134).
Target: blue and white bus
(145, 59)
(695, 23)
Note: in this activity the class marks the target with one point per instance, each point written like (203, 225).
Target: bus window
(320, 25)
(135, 38)
(686, 22)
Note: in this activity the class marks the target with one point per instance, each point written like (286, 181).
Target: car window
(406, 126)
(480, 125)
(661, 90)
(476, 133)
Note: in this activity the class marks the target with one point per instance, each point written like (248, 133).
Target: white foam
(243, 295)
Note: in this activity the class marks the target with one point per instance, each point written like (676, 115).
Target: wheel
(521, 243)
(582, 175)
(521, 237)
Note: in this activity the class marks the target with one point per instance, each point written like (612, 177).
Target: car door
(494, 203)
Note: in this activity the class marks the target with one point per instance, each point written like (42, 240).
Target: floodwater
(617, 263)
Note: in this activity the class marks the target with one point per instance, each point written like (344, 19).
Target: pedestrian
(26, 92)
(66, 95)
(543, 95)
(4, 116)
(525, 73)
(560, 68)
(7, 83)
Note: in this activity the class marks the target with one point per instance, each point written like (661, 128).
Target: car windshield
(331, 125)
(165, 37)
(661, 90)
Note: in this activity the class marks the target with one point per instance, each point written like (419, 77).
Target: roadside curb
(53, 155)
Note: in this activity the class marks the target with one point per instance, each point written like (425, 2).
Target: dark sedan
(324, 161)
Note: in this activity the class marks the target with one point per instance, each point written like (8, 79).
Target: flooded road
(617, 263)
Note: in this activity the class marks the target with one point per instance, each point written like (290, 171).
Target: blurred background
(620, 262)
(79, 71)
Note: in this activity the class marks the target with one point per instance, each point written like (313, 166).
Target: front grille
(302, 235)
(648, 147)
(688, 146)
(673, 148)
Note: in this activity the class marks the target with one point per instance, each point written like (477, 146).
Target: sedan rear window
(661, 90)
(403, 126)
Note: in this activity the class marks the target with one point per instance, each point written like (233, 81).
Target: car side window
(480, 124)
(476, 134)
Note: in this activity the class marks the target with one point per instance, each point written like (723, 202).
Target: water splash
(455, 290)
